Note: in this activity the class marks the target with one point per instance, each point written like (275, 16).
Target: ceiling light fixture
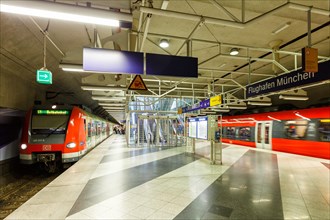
(206, 113)
(102, 88)
(222, 65)
(164, 43)
(259, 103)
(104, 98)
(281, 28)
(292, 97)
(237, 107)
(221, 110)
(72, 67)
(113, 108)
(72, 70)
(66, 12)
(234, 51)
(112, 104)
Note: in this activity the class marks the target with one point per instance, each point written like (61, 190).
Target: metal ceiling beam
(229, 45)
(234, 24)
(199, 25)
(306, 8)
(222, 8)
(47, 36)
(145, 33)
(236, 72)
(172, 96)
(191, 17)
(153, 111)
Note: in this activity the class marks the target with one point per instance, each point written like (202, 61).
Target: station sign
(215, 100)
(44, 77)
(204, 103)
(294, 79)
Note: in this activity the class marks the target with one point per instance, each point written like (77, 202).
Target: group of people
(119, 129)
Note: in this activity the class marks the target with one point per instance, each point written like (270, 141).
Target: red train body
(62, 135)
(305, 132)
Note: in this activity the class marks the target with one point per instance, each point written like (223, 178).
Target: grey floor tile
(249, 189)
(105, 187)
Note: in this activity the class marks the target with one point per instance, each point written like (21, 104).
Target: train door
(264, 134)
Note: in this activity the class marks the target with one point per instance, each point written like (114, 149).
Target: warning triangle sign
(137, 84)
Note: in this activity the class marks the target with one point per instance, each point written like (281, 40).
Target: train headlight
(71, 145)
(23, 146)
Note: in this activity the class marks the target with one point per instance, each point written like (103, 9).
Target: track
(24, 184)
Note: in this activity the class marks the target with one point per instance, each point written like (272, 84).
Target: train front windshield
(49, 126)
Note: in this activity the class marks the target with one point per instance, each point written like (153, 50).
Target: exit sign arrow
(44, 77)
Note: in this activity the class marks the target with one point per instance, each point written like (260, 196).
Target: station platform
(117, 182)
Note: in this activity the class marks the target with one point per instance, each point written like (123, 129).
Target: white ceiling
(179, 22)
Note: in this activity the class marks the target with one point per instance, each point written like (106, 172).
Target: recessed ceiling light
(234, 51)
(164, 43)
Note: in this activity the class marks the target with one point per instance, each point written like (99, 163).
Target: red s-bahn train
(57, 136)
(305, 132)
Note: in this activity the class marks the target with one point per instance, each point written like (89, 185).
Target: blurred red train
(53, 137)
(305, 132)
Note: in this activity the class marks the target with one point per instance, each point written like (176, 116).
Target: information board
(198, 127)
(202, 128)
(192, 127)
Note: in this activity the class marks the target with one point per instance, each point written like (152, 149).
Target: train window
(244, 133)
(96, 128)
(296, 129)
(103, 127)
(267, 127)
(93, 128)
(89, 129)
(230, 132)
(259, 133)
(49, 124)
(223, 130)
(324, 130)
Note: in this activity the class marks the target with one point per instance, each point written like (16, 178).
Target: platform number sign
(44, 77)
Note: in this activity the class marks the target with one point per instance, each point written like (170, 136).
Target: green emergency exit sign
(44, 77)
